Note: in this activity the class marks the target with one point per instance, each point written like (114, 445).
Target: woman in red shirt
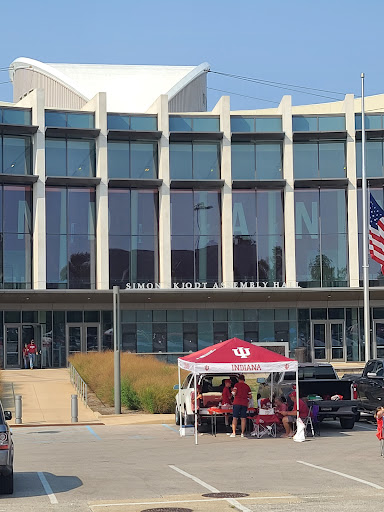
(289, 416)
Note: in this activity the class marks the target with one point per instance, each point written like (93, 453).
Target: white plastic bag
(299, 437)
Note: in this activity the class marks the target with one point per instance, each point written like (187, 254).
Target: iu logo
(286, 366)
(242, 352)
(206, 367)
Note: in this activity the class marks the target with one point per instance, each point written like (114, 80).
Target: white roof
(128, 88)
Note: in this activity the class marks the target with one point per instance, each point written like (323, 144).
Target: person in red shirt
(226, 398)
(32, 351)
(289, 416)
(241, 392)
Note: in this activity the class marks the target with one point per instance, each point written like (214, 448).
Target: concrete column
(353, 241)
(98, 104)
(223, 109)
(285, 109)
(36, 101)
(160, 107)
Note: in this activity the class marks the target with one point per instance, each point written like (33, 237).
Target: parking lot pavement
(138, 468)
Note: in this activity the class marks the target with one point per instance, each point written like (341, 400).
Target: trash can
(301, 354)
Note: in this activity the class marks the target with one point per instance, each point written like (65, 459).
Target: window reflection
(133, 237)
(194, 160)
(131, 122)
(255, 124)
(258, 235)
(373, 159)
(321, 238)
(15, 116)
(196, 236)
(132, 160)
(71, 248)
(319, 160)
(194, 124)
(16, 154)
(70, 157)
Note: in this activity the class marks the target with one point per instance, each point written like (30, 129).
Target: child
(226, 398)
(379, 417)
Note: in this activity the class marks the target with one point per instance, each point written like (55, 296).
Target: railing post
(18, 409)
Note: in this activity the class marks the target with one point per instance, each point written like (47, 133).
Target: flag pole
(367, 314)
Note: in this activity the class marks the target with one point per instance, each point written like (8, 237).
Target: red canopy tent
(235, 356)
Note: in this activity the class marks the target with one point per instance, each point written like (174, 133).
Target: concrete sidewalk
(47, 400)
(46, 396)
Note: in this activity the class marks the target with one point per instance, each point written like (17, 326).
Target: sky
(322, 45)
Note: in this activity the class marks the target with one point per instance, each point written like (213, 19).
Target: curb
(39, 425)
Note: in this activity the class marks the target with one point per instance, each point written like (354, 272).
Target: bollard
(74, 409)
(18, 410)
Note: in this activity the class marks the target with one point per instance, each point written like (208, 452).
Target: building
(214, 224)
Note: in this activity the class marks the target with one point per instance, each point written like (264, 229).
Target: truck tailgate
(338, 407)
(326, 388)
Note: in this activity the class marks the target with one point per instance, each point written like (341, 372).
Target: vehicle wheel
(347, 423)
(177, 416)
(6, 484)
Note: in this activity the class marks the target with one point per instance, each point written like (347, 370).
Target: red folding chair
(264, 425)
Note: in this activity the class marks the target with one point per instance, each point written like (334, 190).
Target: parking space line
(231, 501)
(93, 432)
(47, 488)
(170, 428)
(350, 477)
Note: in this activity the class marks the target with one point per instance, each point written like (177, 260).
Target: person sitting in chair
(289, 416)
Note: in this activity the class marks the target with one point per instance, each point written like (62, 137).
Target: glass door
(379, 339)
(319, 341)
(29, 333)
(74, 338)
(12, 337)
(336, 344)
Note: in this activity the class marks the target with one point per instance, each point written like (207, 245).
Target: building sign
(204, 286)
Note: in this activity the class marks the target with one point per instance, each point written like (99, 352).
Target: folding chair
(264, 426)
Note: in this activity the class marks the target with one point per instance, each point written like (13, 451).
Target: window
(321, 238)
(194, 160)
(15, 237)
(196, 236)
(70, 225)
(132, 160)
(318, 123)
(56, 118)
(133, 237)
(70, 157)
(15, 116)
(130, 122)
(258, 235)
(255, 124)
(372, 122)
(257, 161)
(15, 155)
(319, 160)
(373, 158)
(194, 124)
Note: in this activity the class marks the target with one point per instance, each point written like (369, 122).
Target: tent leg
(180, 415)
(271, 386)
(297, 393)
(195, 409)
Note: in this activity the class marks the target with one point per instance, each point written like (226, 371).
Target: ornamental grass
(146, 382)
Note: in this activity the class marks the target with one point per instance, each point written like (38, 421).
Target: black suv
(6, 453)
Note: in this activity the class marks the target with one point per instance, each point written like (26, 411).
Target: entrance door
(328, 340)
(32, 332)
(83, 338)
(12, 346)
(378, 346)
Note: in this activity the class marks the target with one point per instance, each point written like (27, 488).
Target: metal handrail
(78, 382)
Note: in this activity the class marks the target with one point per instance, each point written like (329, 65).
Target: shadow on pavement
(28, 484)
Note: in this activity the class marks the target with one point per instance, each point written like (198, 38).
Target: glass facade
(61, 119)
(258, 236)
(372, 122)
(196, 237)
(194, 124)
(373, 158)
(132, 160)
(70, 157)
(321, 238)
(194, 160)
(18, 116)
(15, 154)
(319, 160)
(257, 161)
(318, 123)
(133, 237)
(131, 122)
(255, 124)
(70, 226)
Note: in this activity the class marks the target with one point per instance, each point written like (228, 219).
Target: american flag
(376, 233)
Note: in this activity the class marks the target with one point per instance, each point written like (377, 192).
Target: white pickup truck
(211, 388)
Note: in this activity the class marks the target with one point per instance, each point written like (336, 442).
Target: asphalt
(137, 468)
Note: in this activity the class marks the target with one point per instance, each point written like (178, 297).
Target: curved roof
(129, 88)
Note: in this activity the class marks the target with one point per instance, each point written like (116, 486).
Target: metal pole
(116, 348)
(367, 314)
(18, 409)
(297, 393)
(179, 404)
(74, 409)
(196, 409)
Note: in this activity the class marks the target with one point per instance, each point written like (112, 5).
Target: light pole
(116, 348)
